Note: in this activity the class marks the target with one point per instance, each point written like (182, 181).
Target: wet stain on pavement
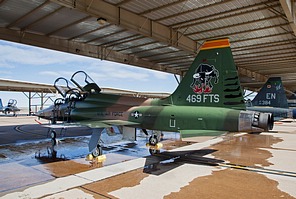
(103, 187)
(231, 183)
(65, 168)
(245, 150)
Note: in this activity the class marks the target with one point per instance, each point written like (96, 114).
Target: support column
(30, 103)
(42, 102)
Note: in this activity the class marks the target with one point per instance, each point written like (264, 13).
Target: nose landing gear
(96, 158)
(96, 153)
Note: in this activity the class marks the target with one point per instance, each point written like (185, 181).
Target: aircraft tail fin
(271, 94)
(1, 105)
(212, 79)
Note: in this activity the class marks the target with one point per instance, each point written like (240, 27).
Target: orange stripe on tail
(220, 43)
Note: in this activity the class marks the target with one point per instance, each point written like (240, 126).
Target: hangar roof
(22, 86)
(162, 35)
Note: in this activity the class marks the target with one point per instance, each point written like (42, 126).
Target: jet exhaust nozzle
(251, 121)
(265, 121)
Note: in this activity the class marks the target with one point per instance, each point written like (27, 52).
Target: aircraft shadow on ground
(162, 162)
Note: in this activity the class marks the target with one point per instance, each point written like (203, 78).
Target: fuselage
(154, 114)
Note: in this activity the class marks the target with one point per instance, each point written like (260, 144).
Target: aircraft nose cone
(45, 113)
(40, 114)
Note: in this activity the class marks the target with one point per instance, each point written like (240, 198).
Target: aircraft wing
(196, 133)
(120, 123)
(107, 123)
(94, 124)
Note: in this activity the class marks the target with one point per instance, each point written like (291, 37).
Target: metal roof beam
(171, 59)
(186, 63)
(239, 24)
(261, 37)
(158, 54)
(150, 49)
(278, 63)
(258, 61)
(136, 46)
(107, 35)
(263, 45)
(225, 15)
(271, 56)
(42, 18)
(120, 41)
(263, 63)
(91, 31)
(162, 7)
(254, 75)
(193, 10)
(123, 2)
(257, 53)
(289, 9)
(68, 25)
(277, 70)
(129, 40)
(27, 14)
(79, 49)
(134, 22)
(238, 32)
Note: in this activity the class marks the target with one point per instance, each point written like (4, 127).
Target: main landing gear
(153, 144)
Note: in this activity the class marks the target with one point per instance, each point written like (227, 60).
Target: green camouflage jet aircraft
(208, 101)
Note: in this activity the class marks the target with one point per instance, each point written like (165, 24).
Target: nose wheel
(96, 156)
(53, 136)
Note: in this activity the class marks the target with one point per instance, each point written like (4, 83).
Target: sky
(33, 64)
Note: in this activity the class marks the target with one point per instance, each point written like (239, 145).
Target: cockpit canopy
(63, 86)
(11, 102)
(85, 82)
(79, 85)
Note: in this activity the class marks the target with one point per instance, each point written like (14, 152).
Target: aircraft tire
(154, 151)
(53, 134)
(98, 151)
(53, 142)
(6, 112)
(153, 140)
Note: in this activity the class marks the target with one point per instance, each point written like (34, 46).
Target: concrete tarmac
(230, 166)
